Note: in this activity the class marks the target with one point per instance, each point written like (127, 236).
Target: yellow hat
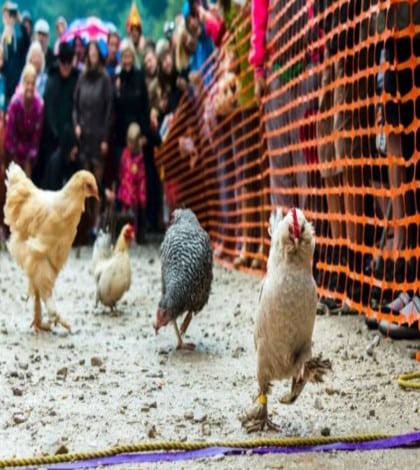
(134, 18)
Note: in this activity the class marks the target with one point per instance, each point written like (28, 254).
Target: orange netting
(337, 135)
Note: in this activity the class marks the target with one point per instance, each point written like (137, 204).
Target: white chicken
(112, 268)
(286, 316)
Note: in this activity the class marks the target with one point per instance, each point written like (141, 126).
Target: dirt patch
(113, 381)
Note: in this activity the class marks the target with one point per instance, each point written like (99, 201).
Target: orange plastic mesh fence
(337, 134)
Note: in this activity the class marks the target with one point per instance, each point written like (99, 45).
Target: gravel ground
(113, 381)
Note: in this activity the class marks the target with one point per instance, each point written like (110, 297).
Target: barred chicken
(112, 268)
(286, 316)
(187, 273)
(43, 225)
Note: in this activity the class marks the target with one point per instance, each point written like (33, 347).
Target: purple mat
(412, 439)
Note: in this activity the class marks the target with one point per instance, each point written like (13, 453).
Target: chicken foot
(54, 317)
(257, 418)
(181, 344)
(313, 371)
(37, 320)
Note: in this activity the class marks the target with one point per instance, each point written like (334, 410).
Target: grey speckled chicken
(187, 273)
(286, 316)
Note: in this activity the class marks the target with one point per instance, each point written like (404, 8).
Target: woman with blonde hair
(36, 57)
(185, 45)
(24, 122)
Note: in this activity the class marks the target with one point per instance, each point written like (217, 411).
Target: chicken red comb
(129, 230)
(296, 228)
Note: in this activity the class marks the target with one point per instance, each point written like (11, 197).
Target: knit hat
(11, 8)
(65, 52)
(26, 16)
(42, 27)
(61, 20)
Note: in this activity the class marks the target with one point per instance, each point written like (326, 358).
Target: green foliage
(153, 13)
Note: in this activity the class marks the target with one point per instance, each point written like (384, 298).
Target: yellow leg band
(262, 399)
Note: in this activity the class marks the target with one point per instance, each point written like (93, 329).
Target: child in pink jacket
(132, 179)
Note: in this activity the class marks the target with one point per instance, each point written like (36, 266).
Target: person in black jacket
(64, 162)
(131, 96)
(15, 41)
(58, 103)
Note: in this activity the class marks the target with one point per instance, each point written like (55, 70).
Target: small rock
(24, 365)
(372, 345)
(189, 415)
(326, 432)
(19, 417)
(318, 404)
(17, 392)
(152, 432)
(96, 361)
(199, 417)
(238, 352)
(82, 362)
(155, 375)
(205, 429)
(371, 412)
(62, 373)
(62, 449)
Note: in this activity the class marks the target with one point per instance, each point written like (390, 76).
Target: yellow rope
(177, 446)
(407, 381)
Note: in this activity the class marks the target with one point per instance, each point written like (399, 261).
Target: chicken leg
(55, 318)
(297, 386)
(186, 323)
(37, 320)
(257, 418)
(181, 344)
(113, 311)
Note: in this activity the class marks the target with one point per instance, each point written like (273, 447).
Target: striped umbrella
(89, 29)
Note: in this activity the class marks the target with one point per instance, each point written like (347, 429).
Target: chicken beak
(296, 241)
